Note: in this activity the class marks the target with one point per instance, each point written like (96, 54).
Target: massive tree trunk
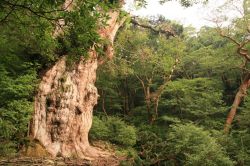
(242, 92)
(63, 108)
(65, 100)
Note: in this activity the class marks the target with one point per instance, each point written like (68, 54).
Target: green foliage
(99, 129)
(141, 52)
(246, 104)
(132, 156)
(235, 144)
(186, 3)
(108, 78)
(7, 148)
(141, 116)
(145, 60)
(16, 105)
(152, 148)
(198, 100)
(81, 29)
(184, 144)
(195, 146)
(32, 37)
(113, 129)
(78, 39)
(201, 91)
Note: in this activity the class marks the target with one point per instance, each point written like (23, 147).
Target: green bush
(113, 129)
(99, 129)
(14, 121)
(7, 148)
(199, 100)
(152, 148)
(184, 144)
(16, 91)
(191, 145)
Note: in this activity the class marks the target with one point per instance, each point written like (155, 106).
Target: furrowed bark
(63, 108)
(65, 100)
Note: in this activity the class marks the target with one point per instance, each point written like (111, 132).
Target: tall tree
(152, 59)
(239, 35)
(65, 99)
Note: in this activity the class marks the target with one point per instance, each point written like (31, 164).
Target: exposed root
(95, 152)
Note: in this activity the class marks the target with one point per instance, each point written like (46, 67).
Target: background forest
(165, 95)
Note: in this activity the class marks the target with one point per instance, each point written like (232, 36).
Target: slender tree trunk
(126, 96)
(242, 92)
(65, 100)
(131, 100)
(146, 91)
(156, 104)
(124, 105)
(149, 105)
(103, 103)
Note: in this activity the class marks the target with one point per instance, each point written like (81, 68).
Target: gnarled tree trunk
(65, 100)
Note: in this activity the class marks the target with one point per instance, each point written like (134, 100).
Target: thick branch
(230, 38)
(244, 53)
(240, 50)
(167, 32)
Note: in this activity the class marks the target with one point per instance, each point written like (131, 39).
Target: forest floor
(60, 161)
(109, 160)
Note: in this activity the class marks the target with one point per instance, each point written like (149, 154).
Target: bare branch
(230, 38)
(240, 50)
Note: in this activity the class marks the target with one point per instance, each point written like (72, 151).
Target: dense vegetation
(193, 106)
(164, 97)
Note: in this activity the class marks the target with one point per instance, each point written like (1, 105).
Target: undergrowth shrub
(113, 129)
(152, 148)
(184, 144)
(192, 145)
(16, 91)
